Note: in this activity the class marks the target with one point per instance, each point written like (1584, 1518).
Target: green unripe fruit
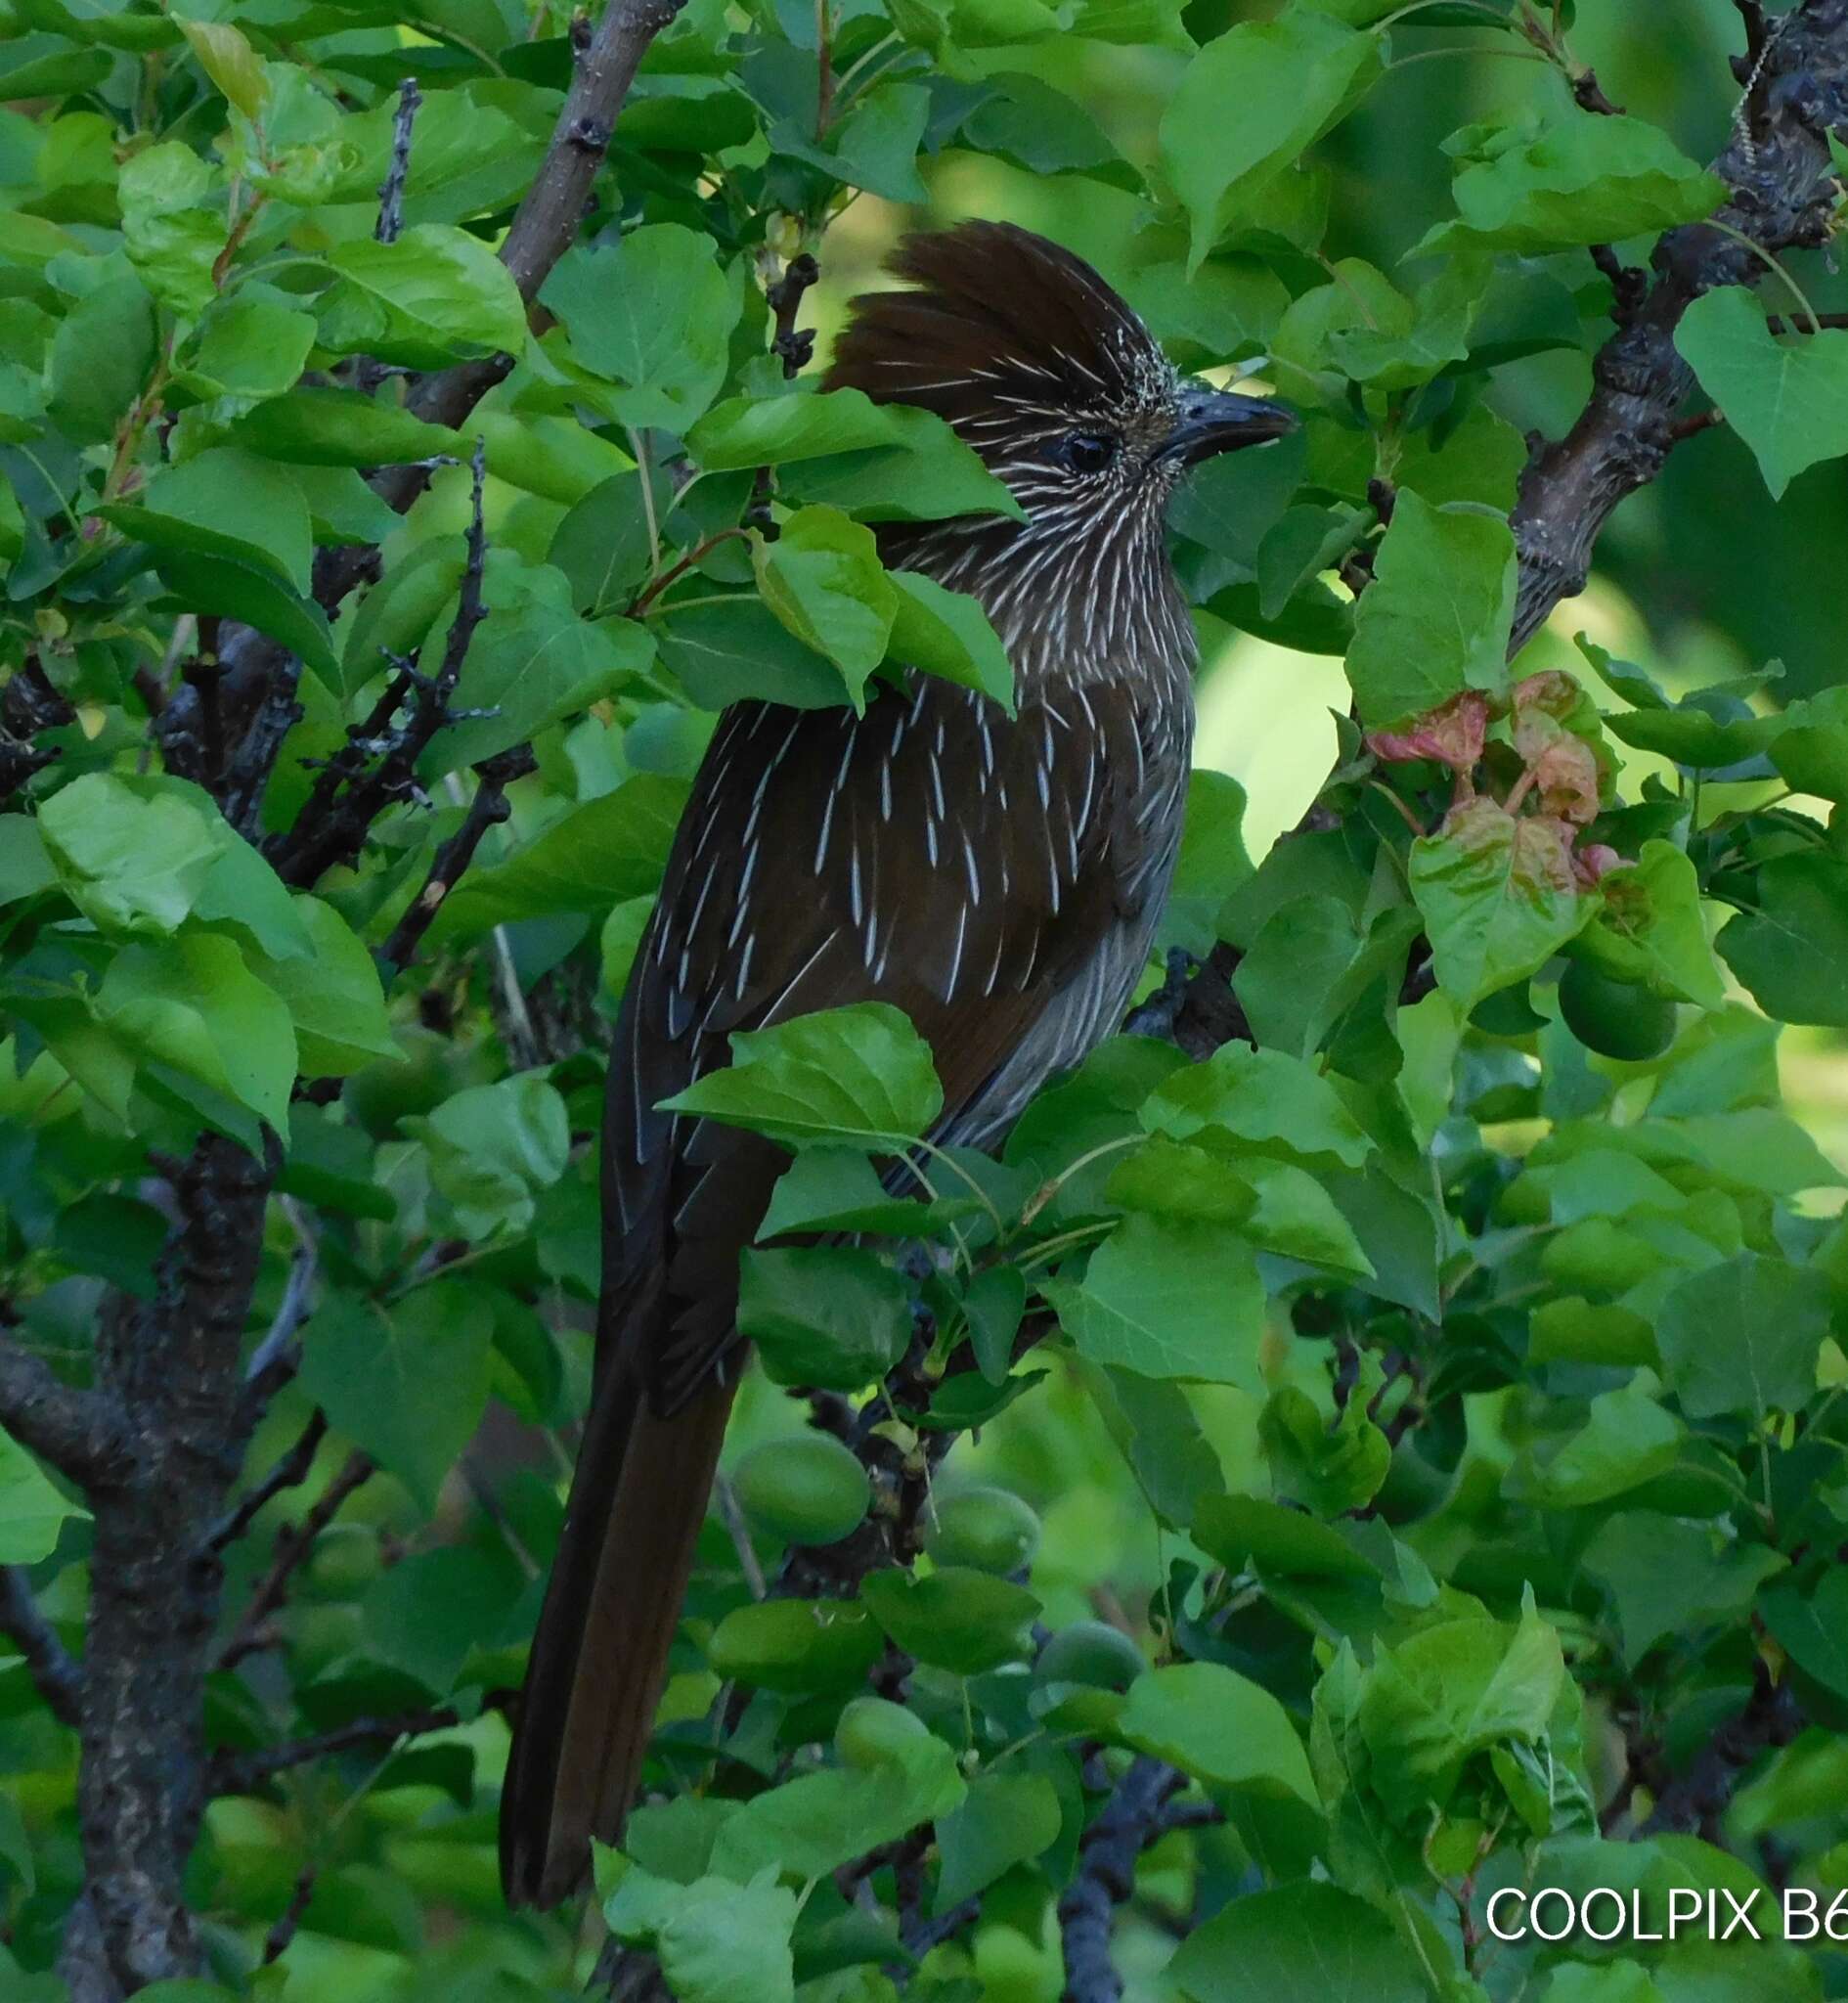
(990, 1529)
(1612, 1017)
(872, 1732)
(1092, 1653)
(807, 1490)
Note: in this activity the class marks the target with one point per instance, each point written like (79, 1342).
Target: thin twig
(54, 1670)
(276, 1941)
(293, 1547)
(271, 1362)
(238, 1772)
(391, 190)
(290, 1472)
(488, 809)
(731, 1515)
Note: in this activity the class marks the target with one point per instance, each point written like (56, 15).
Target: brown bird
(998, 878)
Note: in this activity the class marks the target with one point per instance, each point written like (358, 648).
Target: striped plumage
(997, 878)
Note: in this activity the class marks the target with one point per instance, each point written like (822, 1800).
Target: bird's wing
(975, 871)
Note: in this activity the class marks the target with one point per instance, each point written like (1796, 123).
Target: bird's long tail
(600, 1658)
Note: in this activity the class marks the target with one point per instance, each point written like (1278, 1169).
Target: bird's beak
(1212, 420)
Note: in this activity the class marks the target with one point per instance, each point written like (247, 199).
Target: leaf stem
(1772, 264)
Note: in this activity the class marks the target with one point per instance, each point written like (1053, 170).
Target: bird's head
(1046, 371)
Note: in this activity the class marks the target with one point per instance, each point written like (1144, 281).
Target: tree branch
(80, 1433)
(258, 683)
(1130, 1820)
(1696, 1803)
(1782, 183)
(53, 1673)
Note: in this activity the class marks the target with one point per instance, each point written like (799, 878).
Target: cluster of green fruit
(808, 1488)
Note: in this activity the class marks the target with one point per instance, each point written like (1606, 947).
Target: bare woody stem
(1782, 197)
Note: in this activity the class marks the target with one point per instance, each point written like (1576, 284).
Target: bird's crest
(1001, 321)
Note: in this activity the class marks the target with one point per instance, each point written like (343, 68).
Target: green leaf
(192, 1003)
(856, 1074)
(25, 865)
(1240, 1531)
(947, 633)
(1329, 1467)
(811, 1825)
(249, 508)
(824, 1315)
(1212, 862)
(838, 1189)
(342, 427)
(234, 589)
(428, 1613)
(332, 993)
(470, 158)
(531, 662)
(1452, 1691)
(1006, 1819)
(493, 1148)
(1590, 179)
(797, 1645)
(1649, 931)
(1274, 1105)
(1218, 1726)
(823, 580)
(173, 228)
(407, 1386)
(33, 1512)
(1814, 1630)
(738, 651)
(1497, 896)
(1743, 1337)
(1627, 1440)
(717, 1941)
(231, 62)
(781, 430)
(396, 615)
(602, 543)
(875, 147)
(653, 314)
(1292, 80)
(436, 296)
(243, 894)
(1167, 1299)
(597, 856)
(100, 356)
(1787, 399)
(1435, 620)
(954, 1618)
(1309, 1938)
(1810, 751)
(1308, 965)
(1667, 1576)
(1791, 950)
(248, 347)
(133, 852)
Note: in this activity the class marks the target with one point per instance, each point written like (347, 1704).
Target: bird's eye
(1088, 452)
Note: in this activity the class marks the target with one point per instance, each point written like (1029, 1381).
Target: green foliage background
(1446, 1410)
